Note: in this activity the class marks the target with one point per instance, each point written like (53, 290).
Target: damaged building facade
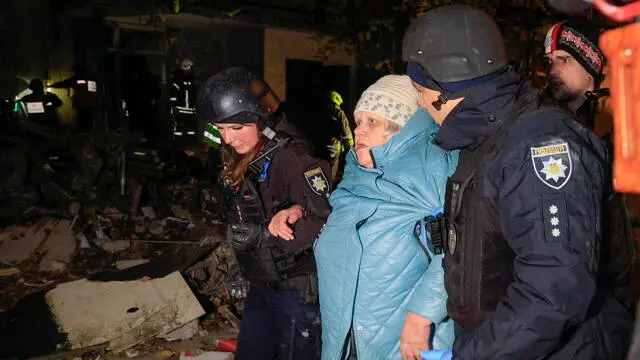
(47, 39)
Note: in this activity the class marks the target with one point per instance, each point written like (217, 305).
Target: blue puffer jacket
(371, 269)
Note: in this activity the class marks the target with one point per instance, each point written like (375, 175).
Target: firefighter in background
(84, 99)
(41, 107)
(182, 97)
(341, 139)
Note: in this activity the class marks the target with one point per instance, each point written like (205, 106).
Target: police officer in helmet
(524, 269)
(277, 206)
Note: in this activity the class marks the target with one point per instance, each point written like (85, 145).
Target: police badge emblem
(317, 181)
(552, 164)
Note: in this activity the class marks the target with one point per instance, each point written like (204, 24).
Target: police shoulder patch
(317, 181)
(552, 164)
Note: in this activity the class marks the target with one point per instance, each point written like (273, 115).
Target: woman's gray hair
(391, 128)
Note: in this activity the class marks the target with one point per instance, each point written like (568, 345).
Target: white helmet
(186, 65)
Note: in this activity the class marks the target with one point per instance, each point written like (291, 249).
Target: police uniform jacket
(296, 177)
(523, 275)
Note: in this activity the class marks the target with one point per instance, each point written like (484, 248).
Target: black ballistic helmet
(455, 43)
(235, 95)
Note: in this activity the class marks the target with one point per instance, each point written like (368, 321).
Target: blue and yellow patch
(317, 181)
(552, 164)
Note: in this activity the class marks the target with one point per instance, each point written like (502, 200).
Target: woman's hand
(280, 223)
(415, 336)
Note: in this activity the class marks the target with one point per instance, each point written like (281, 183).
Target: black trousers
(277, 325)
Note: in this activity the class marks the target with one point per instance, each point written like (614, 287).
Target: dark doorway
(337, 78)
(304, 85)
(307, 81)
(308, 84)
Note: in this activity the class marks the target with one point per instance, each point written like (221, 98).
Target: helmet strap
(442, 99)
(444, 95)
(433, 85)
(458, 92)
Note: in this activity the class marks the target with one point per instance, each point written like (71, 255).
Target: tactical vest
(478, 260)
(248, 219)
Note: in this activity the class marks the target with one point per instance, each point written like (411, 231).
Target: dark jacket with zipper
(292, 176)
(523, 270)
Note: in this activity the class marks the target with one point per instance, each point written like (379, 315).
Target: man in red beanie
(575, 67)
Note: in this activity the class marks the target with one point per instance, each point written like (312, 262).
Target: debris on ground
(121, 313)
(108, 258)
(125, 264)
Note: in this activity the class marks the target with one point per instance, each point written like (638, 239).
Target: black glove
(246, 236)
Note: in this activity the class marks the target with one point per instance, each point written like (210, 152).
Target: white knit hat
(393, 97)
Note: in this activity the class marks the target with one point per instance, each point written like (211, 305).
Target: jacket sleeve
(174, 91)
(64, 84)
(430, 298)
(309, 187)
(548, 196)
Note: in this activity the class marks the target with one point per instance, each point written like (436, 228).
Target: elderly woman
(382, 294)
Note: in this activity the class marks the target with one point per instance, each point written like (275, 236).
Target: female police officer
(277, 207)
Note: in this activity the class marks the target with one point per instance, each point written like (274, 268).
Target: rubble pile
(120, 252)
(82, 268)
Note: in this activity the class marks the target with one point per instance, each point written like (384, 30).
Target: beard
(560, 92)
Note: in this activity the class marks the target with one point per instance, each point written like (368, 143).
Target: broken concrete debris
(180, 212)
(148, 212)
(154, 314)
(122, 313)
(126, 264)
(58, 248)
(52, 250)
(184, 332)
(116, 246)
(19, 243)
(9, 272)
(156, 228)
